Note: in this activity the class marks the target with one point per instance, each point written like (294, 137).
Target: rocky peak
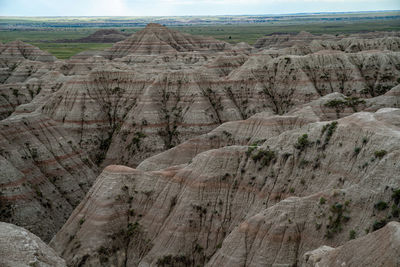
(156, 39)
(155, 26)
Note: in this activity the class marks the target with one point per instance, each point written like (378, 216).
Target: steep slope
(18, 247)
(190, 211)
(44, 174)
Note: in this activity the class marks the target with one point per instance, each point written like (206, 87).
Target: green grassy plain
(250, 33)
(43, 31)
(66, 50)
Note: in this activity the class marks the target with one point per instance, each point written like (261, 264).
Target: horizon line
(220, 15)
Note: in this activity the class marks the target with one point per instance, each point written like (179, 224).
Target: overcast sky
(184, 7)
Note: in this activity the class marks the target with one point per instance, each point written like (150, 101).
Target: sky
(185, 7)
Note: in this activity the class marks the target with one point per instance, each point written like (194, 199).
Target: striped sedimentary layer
(157, 39)
(12, 52)
(349, 43)
(160, 88)
(174, 105)
(147, 114)
(44, 174)
(254, 205)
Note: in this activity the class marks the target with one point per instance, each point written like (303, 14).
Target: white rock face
(21, 248)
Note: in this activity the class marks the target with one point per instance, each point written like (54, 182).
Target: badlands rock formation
(156, 39)
(244, 205)
(205, 153)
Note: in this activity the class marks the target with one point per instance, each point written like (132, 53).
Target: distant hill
(100, 36)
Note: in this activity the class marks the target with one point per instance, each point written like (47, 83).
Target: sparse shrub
(228, 134)
(264, 156)
(37, 191)
(322, 201)
(132, 229)
(335, 103)
(329, 129)
(353, 102)
(379, 224)
(250, 150)
(396, 196)
(335, 220)
(357, 150)
(132, 212)
(302, 142)
(380, 153)
(16, 92)
(137, 137)
(169, 260)
(395, 211)
(303, 163)
(340, 104)
(381, 205)
(104, 254)
(365, 140)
